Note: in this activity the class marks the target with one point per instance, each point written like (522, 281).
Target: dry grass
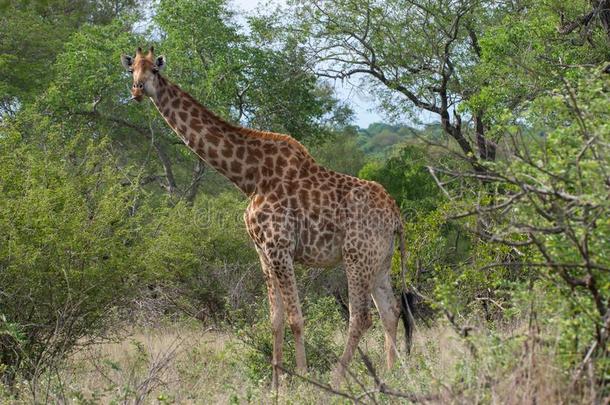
(185, 364)
(174, 364)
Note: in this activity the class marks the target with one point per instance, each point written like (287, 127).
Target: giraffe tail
(407, 298)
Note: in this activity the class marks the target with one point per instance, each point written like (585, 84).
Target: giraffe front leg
(295, 319)
(281, 265)
(276, 310)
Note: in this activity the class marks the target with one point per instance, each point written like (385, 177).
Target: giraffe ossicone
(299, 212)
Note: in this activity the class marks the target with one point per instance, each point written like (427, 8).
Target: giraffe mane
(274, 136)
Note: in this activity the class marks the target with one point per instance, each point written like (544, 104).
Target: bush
(557, 188)
(322, 315)
(67, 237)
(200, 257)
(540, 222)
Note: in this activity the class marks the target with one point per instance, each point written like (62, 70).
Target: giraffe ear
(159, 63)
(126, 61)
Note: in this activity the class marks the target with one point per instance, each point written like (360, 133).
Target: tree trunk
(487, 149)
(198, 172)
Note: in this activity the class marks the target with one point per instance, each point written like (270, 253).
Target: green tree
(340, 151)
(405, 176)
(528, 51)
(34, 33)
(242, 77)
(211, 59)
(414, 55)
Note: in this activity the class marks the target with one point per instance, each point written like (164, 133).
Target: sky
(362, 104)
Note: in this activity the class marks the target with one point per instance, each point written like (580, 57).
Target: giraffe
(298, 211)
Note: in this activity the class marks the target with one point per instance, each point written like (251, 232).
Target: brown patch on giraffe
(269, 149)
(254, 156)
(227, 151)
(280, 164)
(213, 139)
(250, 174)
(291, 173)
(266, 171)
(183, 116)
(323, 239)
(304, 198)
(170, 120)
(315, 197)
(239, 152)
(236, 166)
(237, 139)
(224, 166)
(196, 125)
(290, 187)
(176, 103)
(262, 217)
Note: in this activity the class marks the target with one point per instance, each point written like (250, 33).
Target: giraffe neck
(227, 148)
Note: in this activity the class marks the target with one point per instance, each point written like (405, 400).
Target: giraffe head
(144, 69)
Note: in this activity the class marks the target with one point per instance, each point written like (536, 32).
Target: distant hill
(378, 139)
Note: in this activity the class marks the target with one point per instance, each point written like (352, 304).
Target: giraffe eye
(130, 70)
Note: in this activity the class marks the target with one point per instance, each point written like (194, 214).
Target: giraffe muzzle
(137, 97)
(137, 91)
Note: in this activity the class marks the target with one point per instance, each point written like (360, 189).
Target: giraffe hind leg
(359, 290)
(389, 312)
